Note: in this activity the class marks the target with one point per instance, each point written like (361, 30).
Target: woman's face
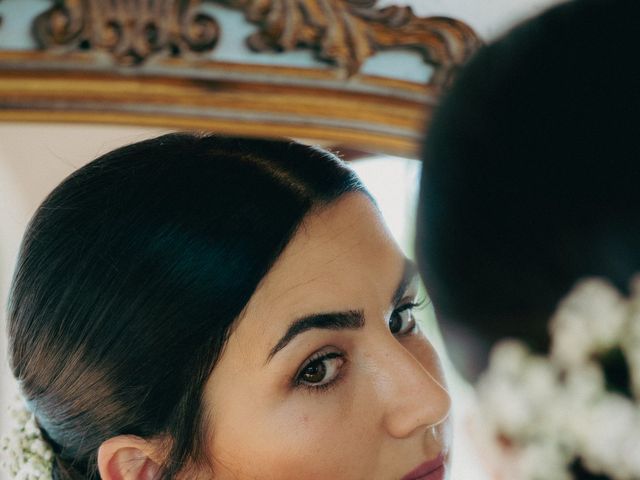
(325, 375)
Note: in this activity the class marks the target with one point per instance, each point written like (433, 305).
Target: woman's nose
(413, 396)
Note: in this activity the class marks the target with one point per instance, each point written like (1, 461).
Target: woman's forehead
(348, 234)
(340, 258)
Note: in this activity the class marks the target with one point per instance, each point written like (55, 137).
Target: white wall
(488, 18)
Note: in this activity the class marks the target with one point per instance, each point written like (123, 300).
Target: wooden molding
(142, 62)
(131, 31)
(344, 33)
(245, 99)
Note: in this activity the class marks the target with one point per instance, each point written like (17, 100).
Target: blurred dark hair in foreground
(532, 171)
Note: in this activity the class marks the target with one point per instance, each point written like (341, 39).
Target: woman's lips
(431, 470)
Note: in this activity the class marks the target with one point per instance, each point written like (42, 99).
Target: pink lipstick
(431, 470)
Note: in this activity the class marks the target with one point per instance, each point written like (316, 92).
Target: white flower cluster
(25, 454)
(540, 414)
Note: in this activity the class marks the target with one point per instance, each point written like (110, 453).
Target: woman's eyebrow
(351, 320)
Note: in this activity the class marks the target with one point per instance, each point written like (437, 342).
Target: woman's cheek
(314, 435)
(302, 450)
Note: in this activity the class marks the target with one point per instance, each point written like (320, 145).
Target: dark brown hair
(131, 273)
(532, 171)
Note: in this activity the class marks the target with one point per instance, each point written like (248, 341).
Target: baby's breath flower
(588, 321)
(25, 455)
(546, 413)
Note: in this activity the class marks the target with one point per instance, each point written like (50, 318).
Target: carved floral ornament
(344, 33)
(149, 62)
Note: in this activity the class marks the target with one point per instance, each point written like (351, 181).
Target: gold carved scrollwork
(342, 32)
(347, 32)
(130, 30)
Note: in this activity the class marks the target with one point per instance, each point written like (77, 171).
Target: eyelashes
(321, 372)
(324, 369)
(402, 322)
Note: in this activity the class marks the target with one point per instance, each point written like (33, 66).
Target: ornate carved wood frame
(144, 62)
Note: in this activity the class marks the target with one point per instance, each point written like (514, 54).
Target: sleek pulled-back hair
(131, 273)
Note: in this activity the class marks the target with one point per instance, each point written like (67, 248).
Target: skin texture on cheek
(306, 435)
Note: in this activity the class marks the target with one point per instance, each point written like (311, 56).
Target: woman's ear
(127, 457)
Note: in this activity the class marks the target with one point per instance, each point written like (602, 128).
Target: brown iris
(395, 323)
(314, 372)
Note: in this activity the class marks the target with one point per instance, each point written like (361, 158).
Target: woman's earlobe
(127, 457)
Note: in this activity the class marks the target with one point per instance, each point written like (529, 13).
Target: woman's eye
(401, 321)
(321, 371)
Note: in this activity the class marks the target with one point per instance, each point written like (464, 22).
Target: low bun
(62, 470)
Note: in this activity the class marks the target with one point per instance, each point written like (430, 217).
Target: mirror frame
(143, 63)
